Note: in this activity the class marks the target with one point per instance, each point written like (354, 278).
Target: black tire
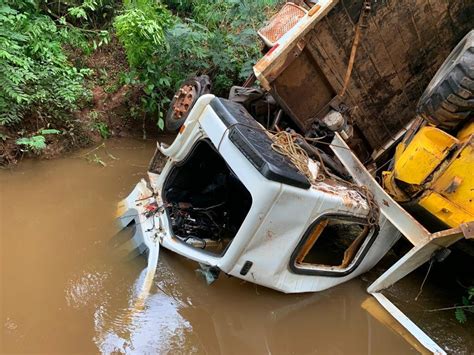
(201, 85)
(448, 98)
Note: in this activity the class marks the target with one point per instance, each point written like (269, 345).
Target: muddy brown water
(64, 290)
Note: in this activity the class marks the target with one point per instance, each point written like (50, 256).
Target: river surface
(64, 289)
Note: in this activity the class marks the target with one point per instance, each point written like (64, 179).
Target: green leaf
(465, 301)
(35, 143)
(471, 292)
(460, 315)
(50, 131)
(78, 12)
(149, 89)
(161, 124)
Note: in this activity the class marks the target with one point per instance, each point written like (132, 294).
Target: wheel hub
(184, 99)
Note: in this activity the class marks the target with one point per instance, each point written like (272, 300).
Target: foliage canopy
(165, 43)
(35, 75)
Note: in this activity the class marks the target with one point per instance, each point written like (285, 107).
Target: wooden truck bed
(400, 49)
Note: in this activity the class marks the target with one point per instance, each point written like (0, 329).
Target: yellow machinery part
(456, 185)
(446, 211)
(466, 131)
(423, 155)
(448, 180)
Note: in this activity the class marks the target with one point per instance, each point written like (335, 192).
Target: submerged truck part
(280, 239)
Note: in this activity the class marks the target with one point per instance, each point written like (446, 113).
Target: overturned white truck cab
(223, 197)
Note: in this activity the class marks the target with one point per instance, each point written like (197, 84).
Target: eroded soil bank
(64, 289)
(107, 110)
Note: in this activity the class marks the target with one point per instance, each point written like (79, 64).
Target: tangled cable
(374, 210)
(285, 144)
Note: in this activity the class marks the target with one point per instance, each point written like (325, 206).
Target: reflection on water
(63, 290)
(158, 327)
(86, 288)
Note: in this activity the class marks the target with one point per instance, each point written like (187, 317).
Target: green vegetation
(467, 306)
(36, 78)
(44, 46)
(103, 129)
(37, 142)
(166, 45)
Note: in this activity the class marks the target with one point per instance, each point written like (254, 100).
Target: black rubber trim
(245, 269)
(373, 233)
(253, 142)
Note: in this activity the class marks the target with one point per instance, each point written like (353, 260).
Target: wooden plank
(413, 330)
(376, 310)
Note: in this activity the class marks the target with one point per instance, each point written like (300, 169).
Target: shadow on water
(63, 290)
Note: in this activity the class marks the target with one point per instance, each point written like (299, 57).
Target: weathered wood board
(401, 48)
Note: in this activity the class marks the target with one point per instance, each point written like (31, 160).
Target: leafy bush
(216, 37)
(85, 14)
(165, 42)
(35, 75)
(37, 142)
(103, 129)
(141, 28)
(467, 306)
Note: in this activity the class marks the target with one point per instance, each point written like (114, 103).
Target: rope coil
(285, 143)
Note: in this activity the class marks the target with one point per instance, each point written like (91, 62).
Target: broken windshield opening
(331, 244)
(206, 201)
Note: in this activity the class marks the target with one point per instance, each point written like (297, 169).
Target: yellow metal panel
(466, 131)
(456, 183)
(445, 210)
(399, 150)
(424, 153)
